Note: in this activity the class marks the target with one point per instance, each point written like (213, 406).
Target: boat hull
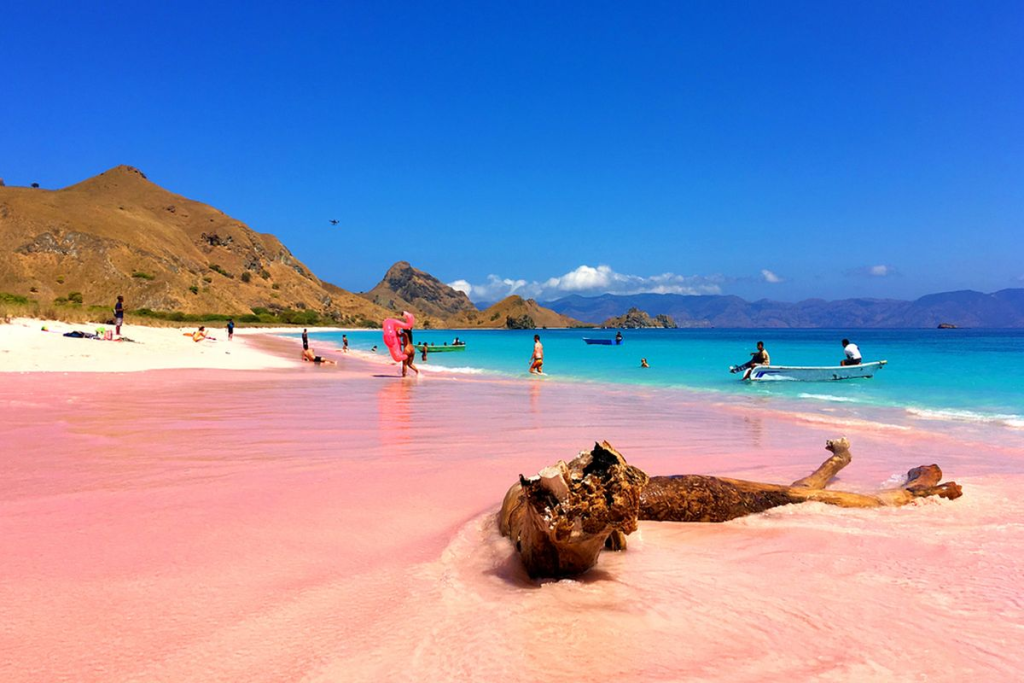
(785, 373)
(444, 349)
(601, 342)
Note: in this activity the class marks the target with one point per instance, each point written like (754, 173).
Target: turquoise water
(970, 375)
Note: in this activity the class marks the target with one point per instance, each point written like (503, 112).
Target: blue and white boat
(603, 342)
(792, 373)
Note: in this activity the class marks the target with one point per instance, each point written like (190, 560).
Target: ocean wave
(456, 370)
(1008, 420)
(830, 397)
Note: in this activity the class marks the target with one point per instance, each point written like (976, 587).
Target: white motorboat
(792, 373)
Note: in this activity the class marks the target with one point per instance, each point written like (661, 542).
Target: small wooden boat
(602, 342)
(789, 373)
(441, 349)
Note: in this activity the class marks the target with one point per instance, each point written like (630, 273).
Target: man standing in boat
(853, 356)
(759, 357)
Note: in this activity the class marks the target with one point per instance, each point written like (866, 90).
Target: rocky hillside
(405, 288)
(635, 319)
(119, 233)
(514, 312)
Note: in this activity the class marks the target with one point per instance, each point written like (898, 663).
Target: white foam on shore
(829, 397)
(1008, 420)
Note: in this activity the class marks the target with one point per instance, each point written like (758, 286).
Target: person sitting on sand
(308, 355)
(643, 363)
(759, 357)
(199, 335)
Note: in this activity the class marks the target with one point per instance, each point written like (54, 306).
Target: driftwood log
(561, 519)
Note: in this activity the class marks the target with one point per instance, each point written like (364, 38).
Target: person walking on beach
(759, 357)
(537, 359)
(118, 315)
(305, 341)
(231, 329)
(344, 343)
(405, 338)
(852, 353)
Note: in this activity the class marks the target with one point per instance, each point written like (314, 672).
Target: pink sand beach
(338, 524)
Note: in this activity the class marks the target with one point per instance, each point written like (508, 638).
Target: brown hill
(405, 288)
(520, 311)
(119, 233)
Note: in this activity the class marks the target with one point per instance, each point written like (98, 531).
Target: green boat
(441, 349)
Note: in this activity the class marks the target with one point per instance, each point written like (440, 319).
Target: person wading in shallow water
(405, 338)
(537, 359)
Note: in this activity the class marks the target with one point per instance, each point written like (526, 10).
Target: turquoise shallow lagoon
(961, 375)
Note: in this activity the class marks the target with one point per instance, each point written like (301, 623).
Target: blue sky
(769, 150)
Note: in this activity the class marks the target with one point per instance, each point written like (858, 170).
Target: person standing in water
(305, 341)
(344, 343)
(405, 338)
(118, 315)
(537, 359)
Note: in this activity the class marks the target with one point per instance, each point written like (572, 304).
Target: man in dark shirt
(118, 315)
(305, 341)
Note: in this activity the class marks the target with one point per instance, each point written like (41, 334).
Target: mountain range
(120, 233)
(965, 308)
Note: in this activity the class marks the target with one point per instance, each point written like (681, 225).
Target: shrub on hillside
(143, 276)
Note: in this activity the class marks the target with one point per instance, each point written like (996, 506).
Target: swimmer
(643, 363)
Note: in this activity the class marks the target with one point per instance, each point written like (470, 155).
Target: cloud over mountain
(586, 279)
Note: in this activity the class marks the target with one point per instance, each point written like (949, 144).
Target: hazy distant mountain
(405, 288)
(119, 233)
(515, 308)
(963, 309)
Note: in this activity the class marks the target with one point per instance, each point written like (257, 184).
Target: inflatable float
(391, 328)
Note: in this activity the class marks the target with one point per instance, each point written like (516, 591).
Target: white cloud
(770, 277)
(590, 280)
(461, 286)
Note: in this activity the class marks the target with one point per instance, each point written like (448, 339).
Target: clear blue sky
(780, 150)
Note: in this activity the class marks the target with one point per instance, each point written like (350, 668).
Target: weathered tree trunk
(560, 520)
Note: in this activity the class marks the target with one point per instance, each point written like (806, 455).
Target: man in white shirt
(852, 353)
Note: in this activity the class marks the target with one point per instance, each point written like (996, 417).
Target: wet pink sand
(331, 524)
